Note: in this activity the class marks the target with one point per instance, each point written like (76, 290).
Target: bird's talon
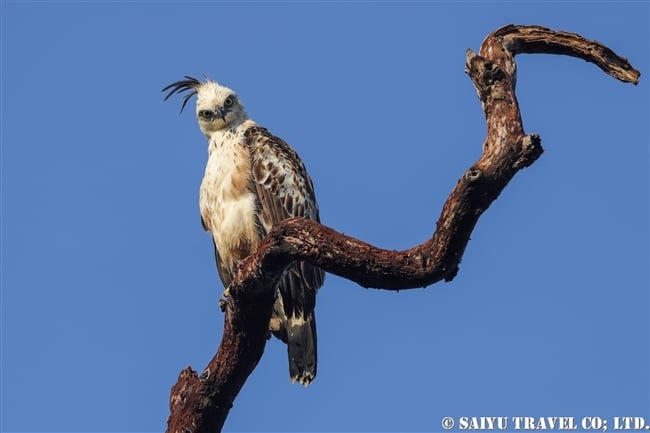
(222, 304)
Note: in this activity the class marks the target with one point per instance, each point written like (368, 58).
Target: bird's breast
(227, 204)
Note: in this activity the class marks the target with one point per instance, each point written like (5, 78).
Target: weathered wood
(201, 403)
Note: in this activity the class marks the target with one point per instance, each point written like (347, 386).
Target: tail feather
(293, 320)
(301, 348)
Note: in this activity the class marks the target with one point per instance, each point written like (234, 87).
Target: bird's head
(217, 107)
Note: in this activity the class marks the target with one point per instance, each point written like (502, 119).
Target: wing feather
(285, 190)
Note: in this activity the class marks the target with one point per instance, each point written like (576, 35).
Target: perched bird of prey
(252, 180)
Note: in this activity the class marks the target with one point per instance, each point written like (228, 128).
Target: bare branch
(201, 404)
(541, 40)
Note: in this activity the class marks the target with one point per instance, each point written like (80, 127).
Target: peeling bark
(201, 403)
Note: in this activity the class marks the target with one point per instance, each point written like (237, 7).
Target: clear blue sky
(109, 286)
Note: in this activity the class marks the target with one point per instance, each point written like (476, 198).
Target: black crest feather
(190, 83)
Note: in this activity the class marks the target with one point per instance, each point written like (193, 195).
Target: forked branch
(201, 403)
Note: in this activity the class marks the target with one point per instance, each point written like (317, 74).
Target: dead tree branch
(201, 403)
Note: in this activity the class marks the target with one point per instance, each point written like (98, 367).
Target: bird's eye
(206, 114)
(228, 102)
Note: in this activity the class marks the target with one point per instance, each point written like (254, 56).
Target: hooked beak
(220, 112)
